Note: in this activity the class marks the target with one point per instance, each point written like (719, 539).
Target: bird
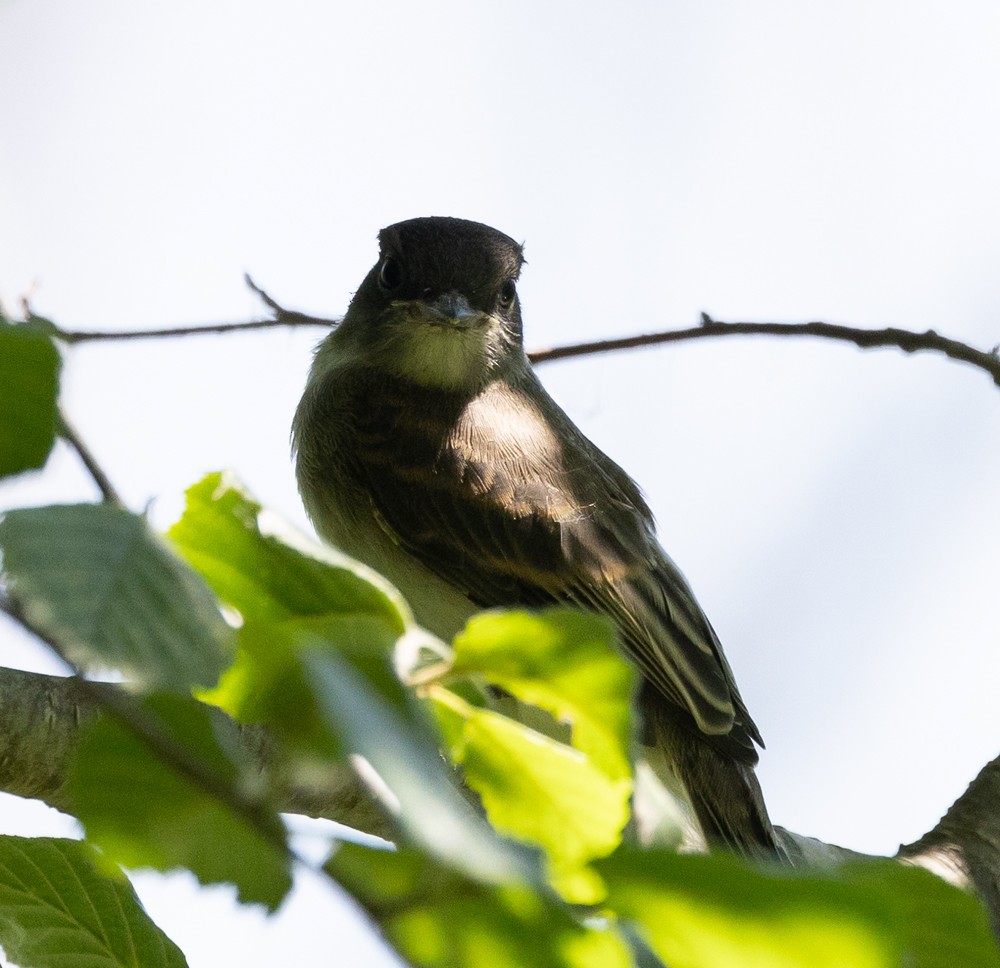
(426, 447)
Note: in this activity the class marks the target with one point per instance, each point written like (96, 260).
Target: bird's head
(439, 307)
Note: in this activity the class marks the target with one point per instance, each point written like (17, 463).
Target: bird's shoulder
(512, 444)
(501, 475)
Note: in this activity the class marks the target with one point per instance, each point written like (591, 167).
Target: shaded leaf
(144, 812)
(29, 386)
(268, 684)
(94, 578)
(61, 907)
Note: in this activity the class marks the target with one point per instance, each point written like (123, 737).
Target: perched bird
(426, 447)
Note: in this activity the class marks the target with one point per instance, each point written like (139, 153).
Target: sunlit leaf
(62, 906)
(268, 683)
(267, 571)
(706, 912)
(540, 791)
(563, 660)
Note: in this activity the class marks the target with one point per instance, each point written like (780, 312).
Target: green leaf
(542, 792)
(261, 567)
(706, 912)
(400, 750)
(268, 684)
(326, 686)
(29, 386)
(61, 906)
(563, 660)
(436, 918)
(937, 925)
(145, 812)
(94, 578)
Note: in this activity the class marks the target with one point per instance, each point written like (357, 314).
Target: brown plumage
(427, 447)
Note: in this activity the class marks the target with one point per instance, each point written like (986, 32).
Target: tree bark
(43, 716)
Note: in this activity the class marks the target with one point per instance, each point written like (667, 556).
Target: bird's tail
(723, 789)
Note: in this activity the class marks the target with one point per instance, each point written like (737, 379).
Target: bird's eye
(390, 275)
(507, 294)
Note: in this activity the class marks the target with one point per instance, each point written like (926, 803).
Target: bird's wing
(517, 508)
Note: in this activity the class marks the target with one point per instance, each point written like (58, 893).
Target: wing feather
(516, 507)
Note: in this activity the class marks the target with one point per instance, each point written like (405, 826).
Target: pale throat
(443, 357)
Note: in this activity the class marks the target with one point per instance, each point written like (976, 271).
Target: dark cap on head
(436, 255)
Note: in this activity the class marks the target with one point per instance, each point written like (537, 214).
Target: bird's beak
(451, 309)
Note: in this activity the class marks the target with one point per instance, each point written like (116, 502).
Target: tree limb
(42, 718)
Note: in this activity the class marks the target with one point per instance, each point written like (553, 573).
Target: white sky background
(836, 511)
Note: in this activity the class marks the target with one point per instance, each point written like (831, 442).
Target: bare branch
(292, 319)
(280, 312)
(282, 317)
(906, 340)
(910, 342)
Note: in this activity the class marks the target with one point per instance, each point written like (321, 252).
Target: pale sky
(836, 511)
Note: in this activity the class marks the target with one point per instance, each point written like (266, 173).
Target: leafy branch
(312, 658)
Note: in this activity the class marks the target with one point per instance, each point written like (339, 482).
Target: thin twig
(268, 301)
(95, 336)
(101, 479)
(282, 317)
(903, 339)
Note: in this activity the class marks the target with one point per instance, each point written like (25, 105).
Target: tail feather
(721, 785)
(728, 803)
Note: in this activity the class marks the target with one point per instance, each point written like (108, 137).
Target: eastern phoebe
(427, 448)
